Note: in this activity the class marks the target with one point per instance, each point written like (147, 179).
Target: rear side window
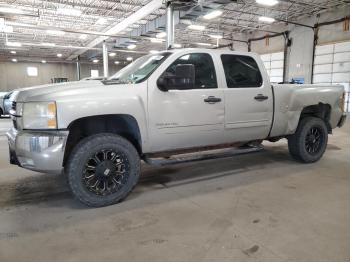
(241, 71)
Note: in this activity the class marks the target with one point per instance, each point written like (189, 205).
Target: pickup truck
(161, 105)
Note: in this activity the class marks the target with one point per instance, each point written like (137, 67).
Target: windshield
(139, 70)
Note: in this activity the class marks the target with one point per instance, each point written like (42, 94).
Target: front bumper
(40, 151)
(342, 120)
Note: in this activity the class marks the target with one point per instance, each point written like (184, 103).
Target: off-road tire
(297, 142)
(79, 157)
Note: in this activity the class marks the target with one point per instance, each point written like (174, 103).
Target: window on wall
(205, 76)
(241, 71)
(94, 73)
(32, 71)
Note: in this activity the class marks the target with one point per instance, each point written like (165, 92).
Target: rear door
(248, 98)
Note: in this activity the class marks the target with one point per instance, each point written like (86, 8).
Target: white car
(176, 101)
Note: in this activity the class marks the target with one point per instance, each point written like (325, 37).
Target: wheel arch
(121, 124)
(319, 110)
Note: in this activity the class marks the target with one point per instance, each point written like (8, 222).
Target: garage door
(332, 66)
(274, 66)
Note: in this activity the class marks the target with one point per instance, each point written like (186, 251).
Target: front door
(187, 118)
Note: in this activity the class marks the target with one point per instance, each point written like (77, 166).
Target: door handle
(261, 97)
(212, 100)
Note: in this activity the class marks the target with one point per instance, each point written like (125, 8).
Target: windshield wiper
(113, 81)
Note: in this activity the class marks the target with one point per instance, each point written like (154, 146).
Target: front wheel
(309, 142)
(103, 169)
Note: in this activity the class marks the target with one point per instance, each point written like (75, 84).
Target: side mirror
(183, 79)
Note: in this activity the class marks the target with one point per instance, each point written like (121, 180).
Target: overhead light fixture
(14, 44)
(116, 62)
(157, 40)
(153, 52)
(129, 58)
(69, 11)
(83, 37)
(217, 36)
(13, 52)
(14, 60)
(95, 61)
(267, 2)
(131, 46)
(161, 35)
(11, 10)
(55, 32)
(213, 14)
(177, 45)
(101, 21)
(59, 55)
(196, 27)
(43, 61)
(204, 44)
(6, 29)
(266, 19)
(112, 54)
(48, 44)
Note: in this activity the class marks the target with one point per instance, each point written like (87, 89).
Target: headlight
(39, 115)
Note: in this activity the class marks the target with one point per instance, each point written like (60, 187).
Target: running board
(201, 157)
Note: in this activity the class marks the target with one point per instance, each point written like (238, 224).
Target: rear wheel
(103, 169)
(1, 112)
(309, 142)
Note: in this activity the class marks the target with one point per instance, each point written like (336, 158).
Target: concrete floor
(258, 207)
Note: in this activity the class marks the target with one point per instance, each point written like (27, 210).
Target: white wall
(14, 75)
(300, 53)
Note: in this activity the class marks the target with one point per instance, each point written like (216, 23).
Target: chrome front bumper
(40, 151)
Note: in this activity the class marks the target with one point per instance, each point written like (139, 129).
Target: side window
(241, 71)
(204, 69)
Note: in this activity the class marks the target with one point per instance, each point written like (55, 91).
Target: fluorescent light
(131, 46)
(43, 61)
(157, 40)
(213, 14)
(129, 58)
(161, 35)
(112, 54)
(267, 2)
(13, 52)
(14, 44)
(69, 11)
(116, 62)
(177, 45)
(266, 19)
(196, 27)
(6, 29)
(55, 32)
(48, 44)
(59, 55)
(204, 44)
(95, 61)
(101, 21)
(14, 60)
(153, 52)
(83, 37)
(11, 10)
(216, 36)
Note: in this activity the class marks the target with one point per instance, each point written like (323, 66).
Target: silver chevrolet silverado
(161, 105)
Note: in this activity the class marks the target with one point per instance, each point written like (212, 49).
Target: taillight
(342, 102)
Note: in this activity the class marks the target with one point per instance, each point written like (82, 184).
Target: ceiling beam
(122, 25)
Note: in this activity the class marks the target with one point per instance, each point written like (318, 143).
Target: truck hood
(51, 91)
